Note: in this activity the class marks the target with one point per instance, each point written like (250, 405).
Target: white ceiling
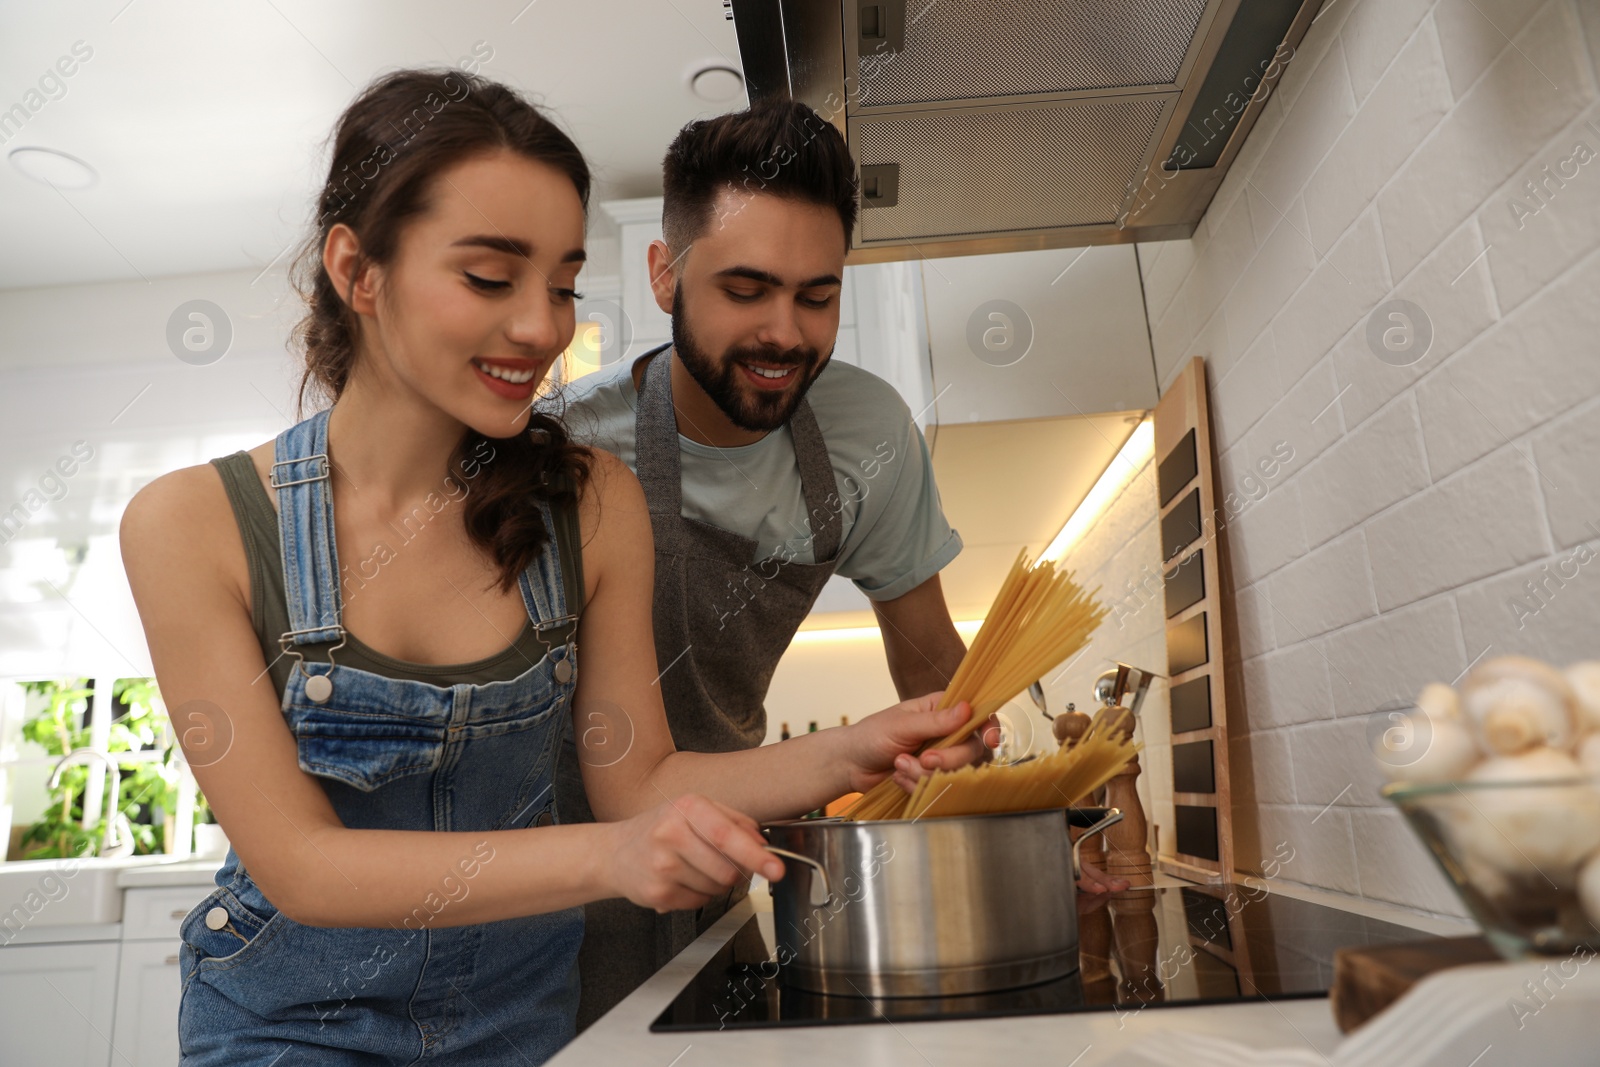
(206, 121)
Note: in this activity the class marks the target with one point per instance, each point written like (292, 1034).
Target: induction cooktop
(1169, 946)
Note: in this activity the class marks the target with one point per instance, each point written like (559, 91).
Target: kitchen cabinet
(1027, 335)
(94, 995)
(639, 223)
(57, 1002)
(148, 989)
(1017, 335)
(148, 980)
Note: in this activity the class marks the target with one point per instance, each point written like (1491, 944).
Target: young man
(767, 469)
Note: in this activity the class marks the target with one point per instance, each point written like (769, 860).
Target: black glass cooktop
(1174, 945)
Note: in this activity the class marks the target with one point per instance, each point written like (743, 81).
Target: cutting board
(1367, 980)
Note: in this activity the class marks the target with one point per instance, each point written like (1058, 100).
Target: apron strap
(816, 483)
(660, 472)
(305, 533)
(655, 436)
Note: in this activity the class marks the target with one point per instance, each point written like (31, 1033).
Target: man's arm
(924, 650)
(919, 639)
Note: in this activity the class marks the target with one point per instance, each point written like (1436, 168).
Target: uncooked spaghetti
(1039, 618)
(1058, 780)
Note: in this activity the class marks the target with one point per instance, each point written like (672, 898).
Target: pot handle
(821, 881)
(1112, 817)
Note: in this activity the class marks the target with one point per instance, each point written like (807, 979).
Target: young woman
(373, 631)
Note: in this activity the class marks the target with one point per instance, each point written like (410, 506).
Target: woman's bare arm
(185, 563)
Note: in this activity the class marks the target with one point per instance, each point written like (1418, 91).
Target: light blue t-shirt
(895, 536)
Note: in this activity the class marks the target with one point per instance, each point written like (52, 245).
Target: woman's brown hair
(388, 147)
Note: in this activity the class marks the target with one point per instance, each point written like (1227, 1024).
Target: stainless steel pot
(929, 907)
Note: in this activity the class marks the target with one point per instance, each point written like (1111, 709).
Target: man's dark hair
(777, 146)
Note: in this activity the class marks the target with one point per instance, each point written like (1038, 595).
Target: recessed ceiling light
(49, 167)
(716, 84)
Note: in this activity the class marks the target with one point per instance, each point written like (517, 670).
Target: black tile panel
(1191, 705)
(1186, 583)
(1186, 645)
(1177, 469)
(1193, 768)
(1180, 527)
(1197, 831)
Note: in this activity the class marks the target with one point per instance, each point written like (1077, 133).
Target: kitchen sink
(37, 893)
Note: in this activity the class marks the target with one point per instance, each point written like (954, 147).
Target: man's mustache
(794, 357)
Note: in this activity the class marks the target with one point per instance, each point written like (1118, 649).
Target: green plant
(57, 833)
(149, 789)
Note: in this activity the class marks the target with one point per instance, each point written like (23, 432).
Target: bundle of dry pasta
(1039, 618)
(1054, 781)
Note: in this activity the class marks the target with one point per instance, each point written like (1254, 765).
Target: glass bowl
(1517, 853)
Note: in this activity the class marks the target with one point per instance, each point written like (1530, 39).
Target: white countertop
(174, 872)
(1083, 1039)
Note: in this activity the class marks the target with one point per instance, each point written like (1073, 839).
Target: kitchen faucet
(115, 844)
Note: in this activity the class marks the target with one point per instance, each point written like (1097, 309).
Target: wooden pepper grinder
(1094, 919)
(1069, 726)
(1127, 841)
(1134, 937)
(1121, 691)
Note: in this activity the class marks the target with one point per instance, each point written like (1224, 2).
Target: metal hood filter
(983, 126)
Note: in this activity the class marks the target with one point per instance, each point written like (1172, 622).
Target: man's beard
(746, 407)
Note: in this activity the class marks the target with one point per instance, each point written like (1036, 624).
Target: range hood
(985, 126)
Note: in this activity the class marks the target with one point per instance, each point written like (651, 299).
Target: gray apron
(721, 625)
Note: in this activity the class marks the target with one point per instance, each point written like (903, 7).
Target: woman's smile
(515, 379)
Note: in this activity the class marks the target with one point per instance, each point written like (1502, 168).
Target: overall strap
(547, 582)
(305, 531)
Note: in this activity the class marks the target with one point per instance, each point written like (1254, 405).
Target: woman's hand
(886, 743)
(909, 767)
(683, 853)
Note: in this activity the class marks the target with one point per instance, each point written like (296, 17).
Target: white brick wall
(1435, 512)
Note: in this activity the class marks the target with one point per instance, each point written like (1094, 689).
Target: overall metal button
(563, 671)
(545, 818)
(319, 688)
(216, 918)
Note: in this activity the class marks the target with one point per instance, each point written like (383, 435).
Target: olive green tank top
(258, 528)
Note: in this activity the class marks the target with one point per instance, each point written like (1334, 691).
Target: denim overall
(392, 754)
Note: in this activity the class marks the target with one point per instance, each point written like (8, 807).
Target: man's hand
(1092, 879)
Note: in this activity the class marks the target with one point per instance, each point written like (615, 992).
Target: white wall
(1394, 548)
(820, 681)
(92, 364)
(89, 365)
